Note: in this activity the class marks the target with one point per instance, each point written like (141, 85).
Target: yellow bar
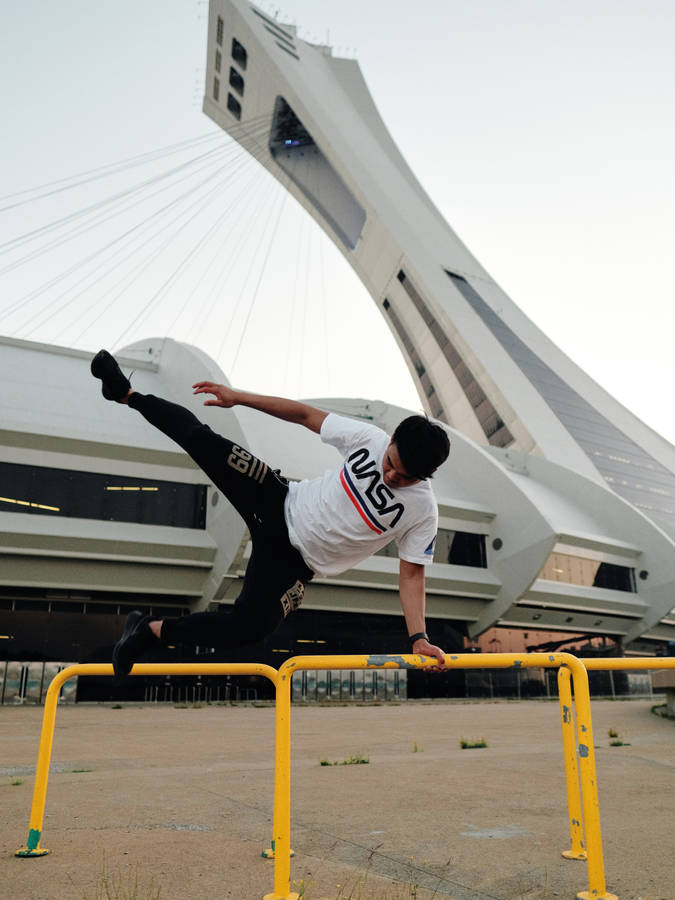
(576, 850)
(636, 662)
(597, 889)
(32, 848)
(281, 825)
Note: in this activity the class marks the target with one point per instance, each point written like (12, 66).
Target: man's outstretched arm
(413, 601)
(279, 407)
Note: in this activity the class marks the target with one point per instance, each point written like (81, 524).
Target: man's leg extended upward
(274, 582)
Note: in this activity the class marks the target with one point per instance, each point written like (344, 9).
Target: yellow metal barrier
(577, 849)
(589, 793)
(584, 780)
(33, 848)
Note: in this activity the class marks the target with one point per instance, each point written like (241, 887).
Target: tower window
(234, 106)
(219, 31)
(236, 81)
(216, 89)
(239, 54)
(219, 60)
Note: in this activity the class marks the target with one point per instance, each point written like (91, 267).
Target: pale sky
(544, 133)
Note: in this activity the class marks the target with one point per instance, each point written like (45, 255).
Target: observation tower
(479, 364)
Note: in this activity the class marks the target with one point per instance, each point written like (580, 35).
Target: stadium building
(557, 505)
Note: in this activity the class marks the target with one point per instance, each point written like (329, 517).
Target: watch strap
(417, 636)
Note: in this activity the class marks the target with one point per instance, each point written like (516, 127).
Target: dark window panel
(234, 106)
(236, 81)
(616, 578)
(460, 548)
(40, 490)
(239, 54)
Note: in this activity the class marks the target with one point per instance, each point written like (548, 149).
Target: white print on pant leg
(245, 462)
(292, 599)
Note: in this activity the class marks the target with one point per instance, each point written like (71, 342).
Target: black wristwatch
(418, 636)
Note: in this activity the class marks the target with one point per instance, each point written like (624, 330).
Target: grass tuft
(472, 745)
(118, 886)
(353, 760)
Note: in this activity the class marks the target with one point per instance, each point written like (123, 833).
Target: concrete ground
(159, 801)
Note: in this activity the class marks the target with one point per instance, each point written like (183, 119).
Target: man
(316, 527)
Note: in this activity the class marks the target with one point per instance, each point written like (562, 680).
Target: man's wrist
(418, 636)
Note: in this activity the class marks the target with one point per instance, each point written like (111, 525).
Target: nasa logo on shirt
(371, 497)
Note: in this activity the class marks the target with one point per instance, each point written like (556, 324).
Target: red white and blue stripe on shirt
(360, 504)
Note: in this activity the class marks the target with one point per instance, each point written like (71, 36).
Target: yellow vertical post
(32, 847)
(281, 823)
(597, 889)
(37, 812)
(576, 850)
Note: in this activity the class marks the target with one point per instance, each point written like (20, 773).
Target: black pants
(276, 574)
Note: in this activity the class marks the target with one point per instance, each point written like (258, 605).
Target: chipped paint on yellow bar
(389, 661)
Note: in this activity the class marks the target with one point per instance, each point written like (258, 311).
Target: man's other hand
(224, 396)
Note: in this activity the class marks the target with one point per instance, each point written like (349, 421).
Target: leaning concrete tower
(479, 364)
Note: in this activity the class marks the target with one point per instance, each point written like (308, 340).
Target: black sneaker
(136, 637)
(115, 384)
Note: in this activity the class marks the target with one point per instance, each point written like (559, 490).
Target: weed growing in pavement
(118, 886)
(354, 760)
(616, 740)
(472, 745)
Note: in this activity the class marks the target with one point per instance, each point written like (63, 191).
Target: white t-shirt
(349, 513)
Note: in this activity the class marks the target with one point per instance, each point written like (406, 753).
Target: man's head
(417, 449)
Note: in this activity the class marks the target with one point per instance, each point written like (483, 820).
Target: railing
(32, 848)
(577, 849)
(578, 749)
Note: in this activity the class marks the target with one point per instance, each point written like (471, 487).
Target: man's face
(393, 470)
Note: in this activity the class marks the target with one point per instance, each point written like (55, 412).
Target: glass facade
(570, 569)
(628, 469)
(39, 490)
(493, 427)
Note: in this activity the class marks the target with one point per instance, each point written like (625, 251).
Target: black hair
(422, 445)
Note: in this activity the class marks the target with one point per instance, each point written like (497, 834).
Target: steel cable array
(177, 239)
